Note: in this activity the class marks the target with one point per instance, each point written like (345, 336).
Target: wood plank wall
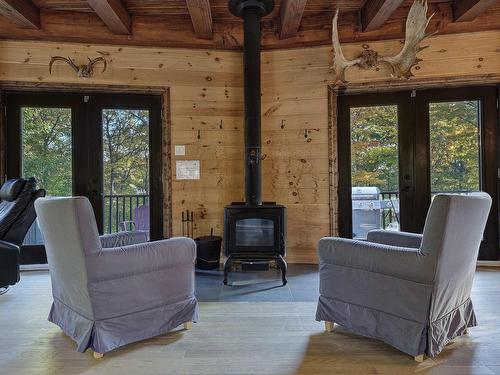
(295, 97)
(206, 100)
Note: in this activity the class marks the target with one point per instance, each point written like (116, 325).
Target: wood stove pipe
(252, 11)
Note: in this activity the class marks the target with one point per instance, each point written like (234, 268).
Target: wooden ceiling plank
(290, 16)
(376, 12)
(22, 12)
(201, 17)
(176, 31)
(113, 14)
(467, 10)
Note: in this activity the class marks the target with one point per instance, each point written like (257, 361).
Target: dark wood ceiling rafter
(375, 12)
(114, 14)
(291, 12)
(467, 10)
(21, 12)
(201, 18)
(170, 26)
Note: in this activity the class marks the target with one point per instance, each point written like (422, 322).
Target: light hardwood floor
(238, 338)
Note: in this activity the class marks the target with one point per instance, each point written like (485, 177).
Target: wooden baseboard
(488, 263)
(34, 267)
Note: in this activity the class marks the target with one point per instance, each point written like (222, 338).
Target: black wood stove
(253, 231)
(255, 234)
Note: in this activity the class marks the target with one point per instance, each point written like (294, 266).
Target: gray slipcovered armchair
(411, 291)
(105, 298)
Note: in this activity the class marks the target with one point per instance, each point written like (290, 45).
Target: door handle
(404, 189)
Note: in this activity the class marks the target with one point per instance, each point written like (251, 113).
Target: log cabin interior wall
(206, 115)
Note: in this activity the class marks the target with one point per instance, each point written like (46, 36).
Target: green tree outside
(454, 146)
(126, 151)
(47, 156)
(46, 148)
(374, 147)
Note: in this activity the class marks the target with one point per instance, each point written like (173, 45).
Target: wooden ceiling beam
(22, 12)
(113, 14)
(177, 32)
(467, 10)
(375, 12)
(290, 16)
(201, 18)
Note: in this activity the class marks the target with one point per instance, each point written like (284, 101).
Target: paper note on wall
(187, 169)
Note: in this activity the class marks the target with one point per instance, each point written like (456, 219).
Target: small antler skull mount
(84, 70)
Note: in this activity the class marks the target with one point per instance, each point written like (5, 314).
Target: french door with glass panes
(125, 163)
(98, 146)
(397, 150)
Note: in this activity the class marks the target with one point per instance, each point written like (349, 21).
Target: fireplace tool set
(187, 223)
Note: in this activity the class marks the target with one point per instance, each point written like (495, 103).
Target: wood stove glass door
(254, 232)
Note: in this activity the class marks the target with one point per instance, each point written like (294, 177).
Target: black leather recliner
(17, 213)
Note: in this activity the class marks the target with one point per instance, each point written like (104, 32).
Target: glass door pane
(46, 154)
(455, 146)
(126, 169)
(374, 168)
(406, 147)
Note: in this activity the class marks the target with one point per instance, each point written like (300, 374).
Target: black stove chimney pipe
(252, 11)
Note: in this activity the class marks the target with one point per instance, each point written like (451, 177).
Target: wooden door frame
(68, 88)
(421, 153)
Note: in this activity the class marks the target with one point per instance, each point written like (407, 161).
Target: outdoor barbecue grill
(367, 210)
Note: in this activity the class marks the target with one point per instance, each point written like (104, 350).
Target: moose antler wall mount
(400, 64)
(84, 70)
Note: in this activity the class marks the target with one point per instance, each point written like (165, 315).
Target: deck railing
(391, 215)
(117, 209)
(120, 208)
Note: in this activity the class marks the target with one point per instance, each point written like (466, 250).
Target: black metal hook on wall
(199, 134)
